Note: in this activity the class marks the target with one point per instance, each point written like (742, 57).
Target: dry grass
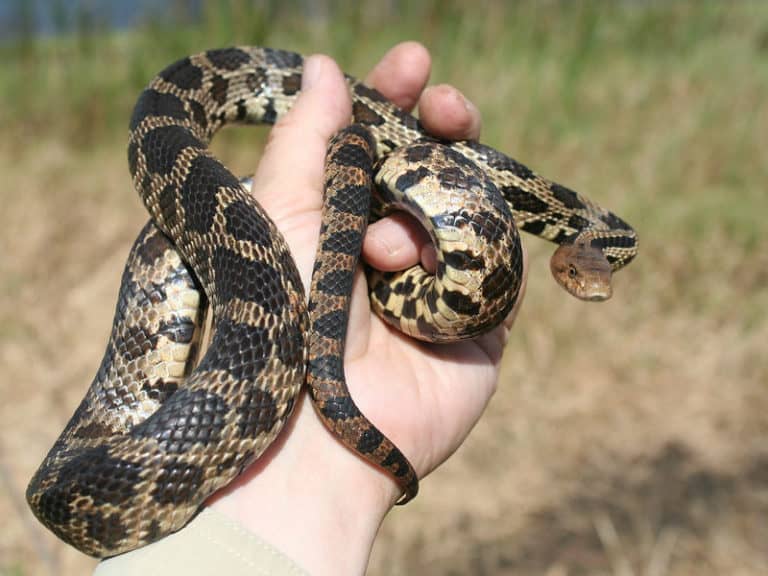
(627, 438)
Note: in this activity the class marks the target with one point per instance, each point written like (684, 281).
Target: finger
(402, 74)
(395, 243)
(446, 113)
(289, 178)
(399, 242)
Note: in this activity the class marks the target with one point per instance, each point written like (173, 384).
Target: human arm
(308, 495)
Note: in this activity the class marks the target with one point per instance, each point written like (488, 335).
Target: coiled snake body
(150, 441)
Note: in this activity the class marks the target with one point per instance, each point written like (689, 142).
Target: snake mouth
(596, 284)
(599, 296)
(583, 271)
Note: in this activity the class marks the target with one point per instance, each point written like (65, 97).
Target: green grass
(655, 108)
(97, 66)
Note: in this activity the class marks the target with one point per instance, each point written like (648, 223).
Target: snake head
(583, 271)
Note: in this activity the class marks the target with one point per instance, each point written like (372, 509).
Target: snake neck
(553, 211)
(258, 86)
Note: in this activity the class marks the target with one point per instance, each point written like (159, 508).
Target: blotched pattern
(152, 440)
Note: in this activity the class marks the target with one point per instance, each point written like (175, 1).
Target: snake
(165, 423)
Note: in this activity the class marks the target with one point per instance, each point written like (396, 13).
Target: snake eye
(572, 272)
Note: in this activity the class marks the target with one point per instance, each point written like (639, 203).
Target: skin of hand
(308, 495)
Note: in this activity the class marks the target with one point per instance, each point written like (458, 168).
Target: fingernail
(459, 96)
(312, 70)
(468, 105)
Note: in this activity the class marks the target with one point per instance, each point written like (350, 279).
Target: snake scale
(156, 435)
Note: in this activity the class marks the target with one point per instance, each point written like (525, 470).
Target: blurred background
(626, 438)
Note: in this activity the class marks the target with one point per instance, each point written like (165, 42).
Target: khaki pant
(209, 544)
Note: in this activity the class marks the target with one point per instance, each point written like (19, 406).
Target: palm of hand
(424, 397)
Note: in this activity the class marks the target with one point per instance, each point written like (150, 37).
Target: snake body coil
(150, 440)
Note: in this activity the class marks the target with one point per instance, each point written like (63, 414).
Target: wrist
(312, 498)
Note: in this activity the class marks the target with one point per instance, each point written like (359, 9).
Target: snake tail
(349, 165)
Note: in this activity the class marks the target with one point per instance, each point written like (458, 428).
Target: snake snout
(583, 271)
(598, 291)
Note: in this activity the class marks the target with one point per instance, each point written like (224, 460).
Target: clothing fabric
(210, 544)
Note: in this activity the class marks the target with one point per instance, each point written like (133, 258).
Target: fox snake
(155, 435)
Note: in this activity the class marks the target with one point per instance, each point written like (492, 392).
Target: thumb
(289, 179)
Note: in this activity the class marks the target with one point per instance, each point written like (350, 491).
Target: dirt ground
(621, 441)
(626, 438)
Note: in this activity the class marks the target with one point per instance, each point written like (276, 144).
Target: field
(628, 438)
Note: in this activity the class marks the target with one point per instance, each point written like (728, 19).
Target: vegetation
(626, 438)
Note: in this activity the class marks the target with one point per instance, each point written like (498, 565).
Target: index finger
(401, 74)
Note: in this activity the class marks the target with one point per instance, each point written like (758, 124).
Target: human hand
(308, 495)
